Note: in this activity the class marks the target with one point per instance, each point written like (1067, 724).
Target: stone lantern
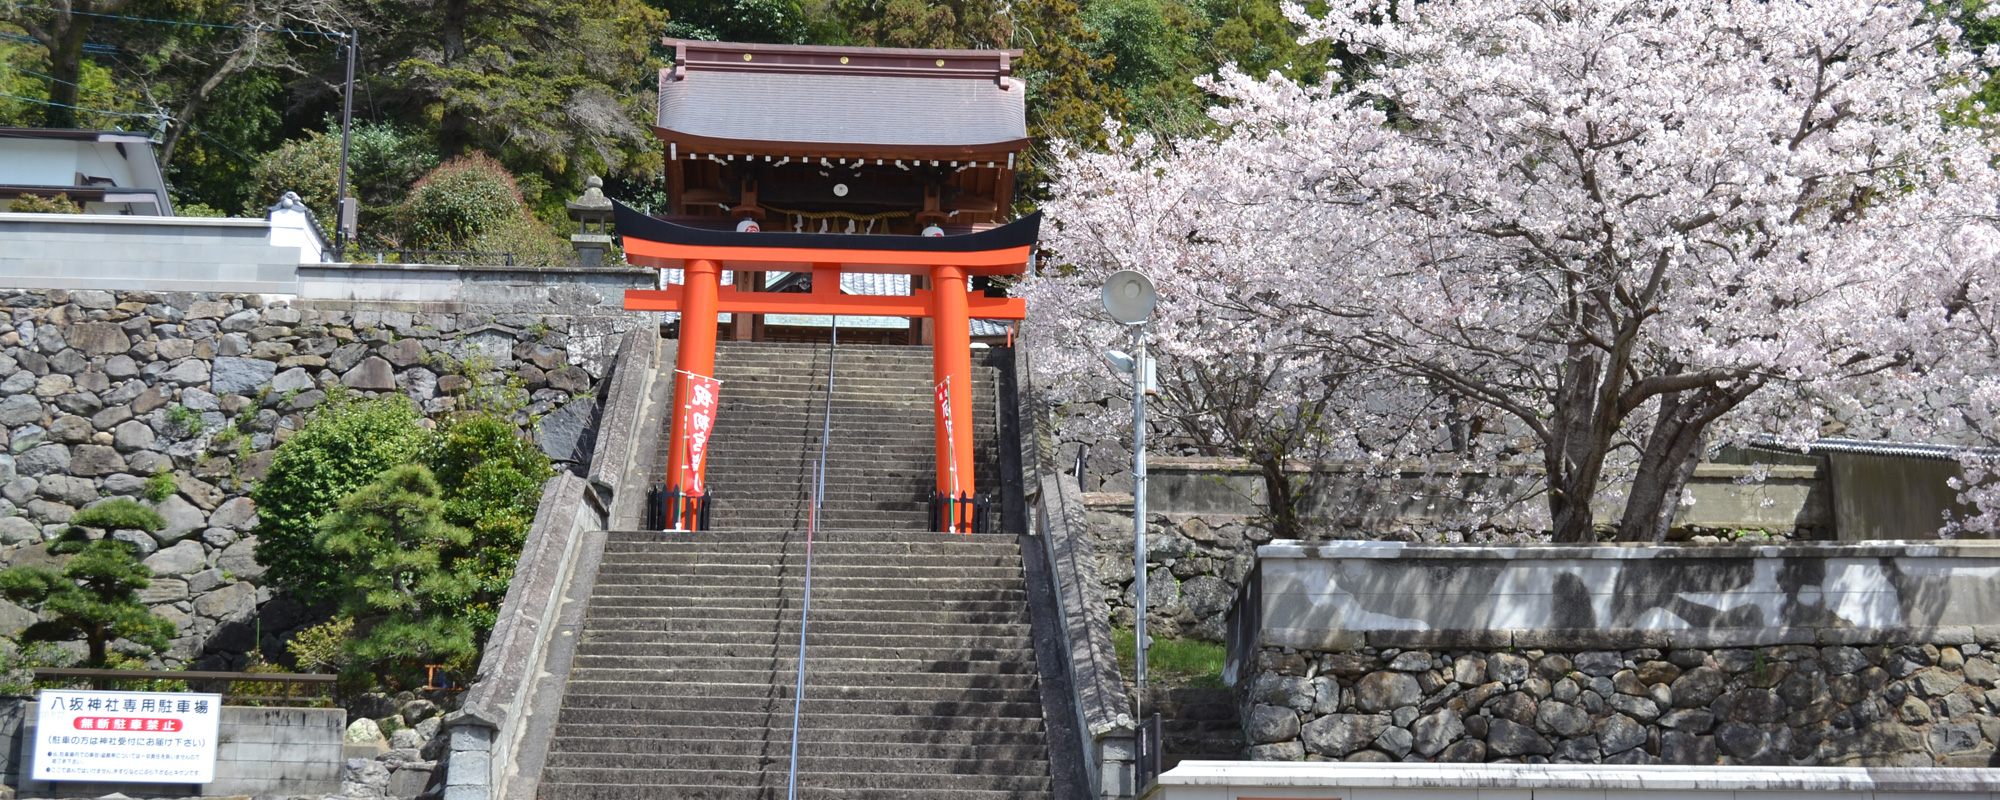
(592, 212)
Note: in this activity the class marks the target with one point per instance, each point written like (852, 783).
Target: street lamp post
(1129, 297)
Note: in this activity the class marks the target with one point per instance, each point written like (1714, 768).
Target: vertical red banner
(951, 446)
(698, 419)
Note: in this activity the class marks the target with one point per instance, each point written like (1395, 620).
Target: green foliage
(757, 21)
(344, 445)
(119, 514)
(95, 597)
(18, 662)
(198, 210)
(383, 161)
(37, 204)
(492, 479)
(472, 203)
(185, 420)
(1172, 662)
(405, 572)
(322, 647)
(160, 487)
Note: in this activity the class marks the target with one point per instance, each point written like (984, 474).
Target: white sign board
(126, 737)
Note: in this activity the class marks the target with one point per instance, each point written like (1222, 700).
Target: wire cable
(155, 115)
(218, 25)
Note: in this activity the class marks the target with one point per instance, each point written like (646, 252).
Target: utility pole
(346, 210)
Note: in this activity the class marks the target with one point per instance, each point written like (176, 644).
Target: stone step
(815, 717)
(815, 638)
(713, 686)
(823, 556)
(667, 735)
(780, 660)
(873, 542)
(649, 670)
(789, 623)
(811, 761)
(643, 783)
(698, 650)
(780, 745)
(894, 587)
(774, 791)
(960, 611)
(828, 572)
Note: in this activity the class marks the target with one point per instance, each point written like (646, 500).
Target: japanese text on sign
(698, 421)
(126, 737)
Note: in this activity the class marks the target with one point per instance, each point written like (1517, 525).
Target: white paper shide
(126, 737)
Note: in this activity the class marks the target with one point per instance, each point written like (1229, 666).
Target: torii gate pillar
(951, 367)
(700, 296)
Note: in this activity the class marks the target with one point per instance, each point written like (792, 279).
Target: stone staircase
(922, 680)
(881, 463)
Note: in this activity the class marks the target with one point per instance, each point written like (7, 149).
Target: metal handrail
(102, 677)
(812, 528)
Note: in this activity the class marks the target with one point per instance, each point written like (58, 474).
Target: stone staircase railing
(1104, 721)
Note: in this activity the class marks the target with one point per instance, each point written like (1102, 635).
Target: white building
(107, 172)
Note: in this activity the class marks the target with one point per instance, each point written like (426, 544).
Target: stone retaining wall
(100, 391)
(1909, 705)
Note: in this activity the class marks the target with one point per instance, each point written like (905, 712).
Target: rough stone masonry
(100, 392)
(1912, 705)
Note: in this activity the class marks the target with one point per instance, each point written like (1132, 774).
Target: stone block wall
(1878, 705)
(1197, 563)
(101, 391)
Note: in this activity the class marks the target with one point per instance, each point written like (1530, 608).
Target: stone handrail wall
(1104, 720)
(1876, 655)
(500, 735)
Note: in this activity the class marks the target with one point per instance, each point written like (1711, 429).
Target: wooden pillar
(696, 353)
(742, 326)
(951, 358)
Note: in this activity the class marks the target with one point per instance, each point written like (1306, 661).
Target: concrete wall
(1789, 499)
(1332, 597)
(1890, 496)
(261, 751)
(158, 254)
(437, 287)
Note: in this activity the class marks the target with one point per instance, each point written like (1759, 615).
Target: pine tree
(94, 597)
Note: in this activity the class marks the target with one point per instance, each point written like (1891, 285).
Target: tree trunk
(1281, 500)
(453, 128)
(1676, 445)
(1574, 458)
(65, 69)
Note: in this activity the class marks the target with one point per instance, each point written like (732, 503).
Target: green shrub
(37, 204)
(492, 479)
(459, 201)
(343, 446)
(94, 598)
(1172, 662)
(119, 514)
(322, 647)
(405, 573)
(383, 162)
(160, 487)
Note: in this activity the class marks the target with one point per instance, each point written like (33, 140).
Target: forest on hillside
(244, 96)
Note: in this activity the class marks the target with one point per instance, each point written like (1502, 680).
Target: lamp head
(1129, 296)
(1119, 361)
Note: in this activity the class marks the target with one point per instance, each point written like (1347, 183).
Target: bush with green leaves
(160, 487)
(383, 162)
(119, 514)
(406, 574)
(94, 597)
(473, 203)
(492, 478)
(345, 443)
(37, 204)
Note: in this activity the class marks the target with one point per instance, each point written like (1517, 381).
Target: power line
(80, 108)
(88, 47)
(334, 34)
(56, 79)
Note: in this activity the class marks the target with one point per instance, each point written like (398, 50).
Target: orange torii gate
(702, 254)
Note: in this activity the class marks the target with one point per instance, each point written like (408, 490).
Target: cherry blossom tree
(1608, 230)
